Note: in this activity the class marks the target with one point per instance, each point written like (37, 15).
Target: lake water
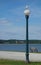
(18, 47)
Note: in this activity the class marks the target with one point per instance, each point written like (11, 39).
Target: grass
(13, 62)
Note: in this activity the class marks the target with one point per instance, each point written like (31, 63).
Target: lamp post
(27, 12)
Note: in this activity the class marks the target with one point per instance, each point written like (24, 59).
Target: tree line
(14, 41)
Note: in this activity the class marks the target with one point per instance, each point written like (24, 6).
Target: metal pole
(27, 47)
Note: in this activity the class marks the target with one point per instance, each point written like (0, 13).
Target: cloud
(13, 33)
(5, 21)
(34, 32)
(20, 32)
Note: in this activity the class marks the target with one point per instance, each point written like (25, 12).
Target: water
(13, 47)
(19, 47)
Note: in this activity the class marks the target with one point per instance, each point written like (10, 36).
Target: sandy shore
(33, 57)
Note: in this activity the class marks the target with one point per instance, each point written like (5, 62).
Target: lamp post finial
(27, 7)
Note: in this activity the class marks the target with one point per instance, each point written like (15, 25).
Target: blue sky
(12, 19)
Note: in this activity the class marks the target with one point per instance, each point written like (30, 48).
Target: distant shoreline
(13, 41)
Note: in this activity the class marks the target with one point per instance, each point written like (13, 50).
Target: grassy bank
(12, 62)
